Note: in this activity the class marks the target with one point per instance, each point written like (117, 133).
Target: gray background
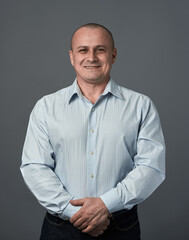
(152, 38)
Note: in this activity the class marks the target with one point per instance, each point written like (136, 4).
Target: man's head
(94, 25)
(92, 53)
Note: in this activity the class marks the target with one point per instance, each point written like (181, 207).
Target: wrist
(104, 208)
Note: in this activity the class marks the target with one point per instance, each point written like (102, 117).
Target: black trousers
(123, 225)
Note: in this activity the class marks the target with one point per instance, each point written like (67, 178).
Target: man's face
(92, 55)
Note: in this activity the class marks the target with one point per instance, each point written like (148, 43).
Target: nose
(92, 56)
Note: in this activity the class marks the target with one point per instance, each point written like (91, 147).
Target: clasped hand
(92, 218)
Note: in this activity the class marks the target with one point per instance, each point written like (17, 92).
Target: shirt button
(92, 131)
(92, 176)
(92, 153)
(93, 109)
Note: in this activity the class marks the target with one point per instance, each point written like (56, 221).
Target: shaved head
(93, 25)
(92, 54)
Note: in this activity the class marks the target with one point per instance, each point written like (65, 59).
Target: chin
(95, 80)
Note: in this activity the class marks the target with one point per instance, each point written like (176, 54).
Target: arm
(149, 164)
(38, 164)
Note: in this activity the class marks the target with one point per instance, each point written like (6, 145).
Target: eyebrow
(88, 46)
(82, 47)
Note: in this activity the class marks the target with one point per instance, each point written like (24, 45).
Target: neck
(92, 91)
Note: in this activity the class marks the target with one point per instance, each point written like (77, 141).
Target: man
(94, 150)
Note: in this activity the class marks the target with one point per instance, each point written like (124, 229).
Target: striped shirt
(113, 149)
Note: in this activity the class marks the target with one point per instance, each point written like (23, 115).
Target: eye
(83, 50)
(100, 50)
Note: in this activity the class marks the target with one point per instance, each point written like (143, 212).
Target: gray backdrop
(152, 38)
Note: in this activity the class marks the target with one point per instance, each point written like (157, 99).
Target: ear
(71, 57)
(114, 55)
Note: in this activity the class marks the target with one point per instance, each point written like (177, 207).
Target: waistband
(117, 214)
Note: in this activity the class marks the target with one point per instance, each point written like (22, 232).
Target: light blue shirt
(113, 149)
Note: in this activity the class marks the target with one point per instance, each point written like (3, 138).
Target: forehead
(86, 36)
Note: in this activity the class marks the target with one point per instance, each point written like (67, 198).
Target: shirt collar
(111, 87)
(74, 90)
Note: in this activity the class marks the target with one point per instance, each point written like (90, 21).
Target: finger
(101, 227)
(80, 223)
(107, 222)
(96, 232)
(83, 226)
(104, 227)
(88, 229)
(93, 234)
(100, 232)
(77, 202)
(76, 217)
(94, 224)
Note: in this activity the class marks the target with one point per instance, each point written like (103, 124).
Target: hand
(100, 229)
(92, 214)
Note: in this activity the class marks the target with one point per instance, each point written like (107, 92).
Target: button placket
(91, 164)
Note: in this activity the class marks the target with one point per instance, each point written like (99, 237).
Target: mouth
(91, 67)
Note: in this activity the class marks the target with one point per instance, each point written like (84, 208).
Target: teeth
(92, 67)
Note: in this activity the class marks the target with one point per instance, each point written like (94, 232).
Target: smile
(91, 67)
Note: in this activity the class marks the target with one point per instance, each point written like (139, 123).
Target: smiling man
(92, 55)
(94, 150)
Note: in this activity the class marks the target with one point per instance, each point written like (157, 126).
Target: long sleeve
(149, 164)
(38, 167)
(113, 149)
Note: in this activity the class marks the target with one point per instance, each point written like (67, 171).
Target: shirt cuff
(69, 211)
(112, 201)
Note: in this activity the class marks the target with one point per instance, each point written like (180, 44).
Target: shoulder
(140, 103)
(135, 97)
(49, 101)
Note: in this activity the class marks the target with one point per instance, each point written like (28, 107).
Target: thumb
(78, 202)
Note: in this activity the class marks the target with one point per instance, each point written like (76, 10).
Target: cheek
(108, 60)
(78, 60)
(108, 64)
